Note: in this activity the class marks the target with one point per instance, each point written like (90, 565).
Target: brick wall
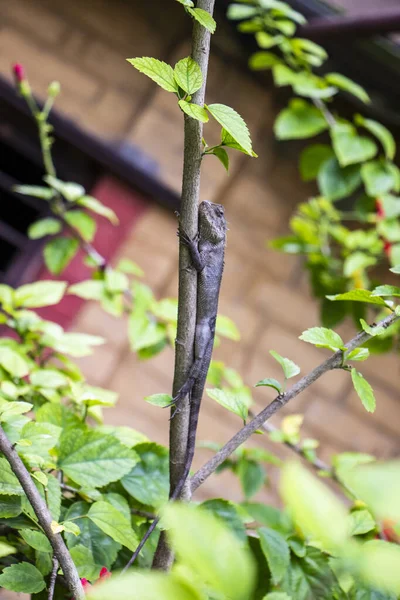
(84, 44)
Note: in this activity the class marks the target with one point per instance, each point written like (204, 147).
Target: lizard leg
(197, 259)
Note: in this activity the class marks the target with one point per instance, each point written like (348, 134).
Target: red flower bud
(19, 72)
(105, 573)
(379, 208)
(387, 247)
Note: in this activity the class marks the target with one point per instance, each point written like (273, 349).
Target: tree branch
(334, 362)
(53, 578)
(44, 517)
(187, 277)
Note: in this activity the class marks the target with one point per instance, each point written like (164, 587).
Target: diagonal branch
(44, 517)
(334, 362)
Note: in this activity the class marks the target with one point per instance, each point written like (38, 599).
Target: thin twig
(143, 513)
(328, 116)
(334, 362)
(193, 132)
(44, 517)
(53, 578)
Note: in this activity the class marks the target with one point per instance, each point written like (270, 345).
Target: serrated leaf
(364, 390)
(148, 481)
(98, 208)
(226, 564)
(358, 354)
(92, 459)
(9, 484)
(270, 382)
(386, 290)
(347, 85)
(252, 476)
(48, 226)
(36, 539)
(372, 330)
(276, 551)
(84, 562)
(41, 293)
(22, 577)
(322, 337)
(361, 522)
(59, 252)
(299, 120)
(378, 177)
(188, 75)
(381, 133)
(222, 156)
(351, 148)
(359, 296)
(235, 403)
(113, 523)
(229, 513)
(311, 160)
(10, 506)
(157, 70)
(82, 222)
(162, 400)
(194, 110)
(290, 369)
(203, 17)
(233, 123)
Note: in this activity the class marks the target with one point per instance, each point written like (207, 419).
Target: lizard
(207, 252)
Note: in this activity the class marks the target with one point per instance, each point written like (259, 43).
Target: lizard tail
(194, 417)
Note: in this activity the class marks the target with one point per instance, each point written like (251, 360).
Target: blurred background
(121, 136)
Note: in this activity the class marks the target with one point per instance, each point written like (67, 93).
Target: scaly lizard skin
(207, 253)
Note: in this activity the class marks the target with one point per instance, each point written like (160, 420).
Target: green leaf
(6, 549)
(113, 523)
(41, 293)
(22, 577)
(92, 459)
(36, 191)
(9, 484)
(226, 564)
(290, 369)
(84, 562)
(276, 551)
(233, 123)
(10, 409)
(372, 330)
(82, 222)
(157, 70)
(386, 290)
(144, 332)
(13, 363)
(148, 481)
(89, 290)
(260, 61)
(226, 328)
(222, 156)
(188, 75)
(378, 177)
(358, 354)
(70, 190)
(378, 565)
(364, 390)
(229, 513)
(128, 266)
(361, 522)
(71, 527)
(103, 548)
(98, 208)
(349, 147)
(322, 337)
(204, 18)
(311, 160)
(381, 133)
(146, 586)
(186, 2)
(277, 596)
(48, 226)
(59, 252)
(10, 506)
(336, 182)
(252, 476)
(36, 539)
(359, 296)
(50, 378)
(97, 396)
(233, 402)
(313, 506)
(357, 262)
(270, 382)
(42, 437)
(299, 120)
(194, 110)
(237, 12)
(346, 84)
(162, 400)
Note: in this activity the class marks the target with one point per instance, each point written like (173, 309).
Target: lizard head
(212, 224)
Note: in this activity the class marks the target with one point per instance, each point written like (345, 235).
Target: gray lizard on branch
(207, 251)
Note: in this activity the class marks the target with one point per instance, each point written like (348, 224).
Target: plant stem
(334, 362)
(44, 517)
(53, 578)
(193, 130)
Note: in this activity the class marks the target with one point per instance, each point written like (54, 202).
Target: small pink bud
(105, 573)
(85, 583)
(19, 72)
